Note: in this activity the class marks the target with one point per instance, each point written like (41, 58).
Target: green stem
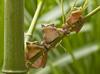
(14, 62)
(93, 12)
(1, 30)
(62, 9)
(34, 21)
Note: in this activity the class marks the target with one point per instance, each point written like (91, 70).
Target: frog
(32, 50)
(51, 35)
(75, 20)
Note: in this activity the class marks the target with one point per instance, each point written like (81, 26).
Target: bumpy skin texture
(75, 21)
(32, 50)
(51, 35)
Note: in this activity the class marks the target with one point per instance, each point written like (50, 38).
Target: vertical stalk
(14, 37)
(1, 30)
(62, 9)
(34, 21)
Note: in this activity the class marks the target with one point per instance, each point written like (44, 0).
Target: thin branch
(62, 9)
(74, 5)
(93, 12)
(84, 6)
(71, 8)
(34, 20)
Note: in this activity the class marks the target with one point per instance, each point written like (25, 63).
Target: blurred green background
(77, 53)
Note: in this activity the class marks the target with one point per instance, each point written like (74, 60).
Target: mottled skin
(32, 50)
(75, 21)
(51, 35)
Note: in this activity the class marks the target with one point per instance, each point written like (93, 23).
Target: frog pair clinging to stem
(51, 36)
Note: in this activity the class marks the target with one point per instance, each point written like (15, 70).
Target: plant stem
(34, 21)
(14, 62)
(1, 30)
(84, 5)
(62, 9)
(93, 12)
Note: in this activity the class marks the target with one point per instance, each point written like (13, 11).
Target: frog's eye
(52, 25)
(43, 25)
(27, 43)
